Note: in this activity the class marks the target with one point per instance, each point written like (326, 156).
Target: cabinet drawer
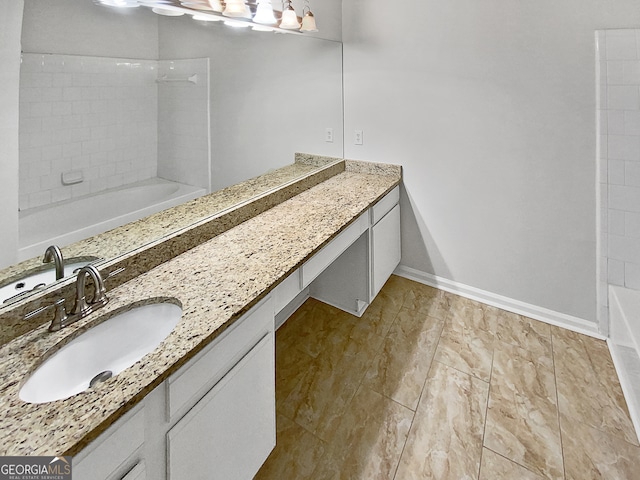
(113, 448)
(321, 260)
(385, 205)
(286, 291)
(230, 432)
(189, 384)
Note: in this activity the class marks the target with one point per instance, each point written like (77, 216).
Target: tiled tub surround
(98, 115)
(618, 105)
(183, 122)
(110, 119)
(171, 232)
(619, 158)
(216, 282)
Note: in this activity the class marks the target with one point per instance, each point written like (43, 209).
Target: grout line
(486, 409)
(426, 379)
(555, 381)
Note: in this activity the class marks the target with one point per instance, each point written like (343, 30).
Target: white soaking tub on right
(624, 344)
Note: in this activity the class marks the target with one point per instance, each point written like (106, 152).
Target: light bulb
(264, 13)
(236, 8)
(289, 19)
(308, 23)
(215, 5)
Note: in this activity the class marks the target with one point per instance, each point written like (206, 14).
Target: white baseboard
(505, 303)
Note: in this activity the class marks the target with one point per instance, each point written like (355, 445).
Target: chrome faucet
(54, 254)
(82, 307)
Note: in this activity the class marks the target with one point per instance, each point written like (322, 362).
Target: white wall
(490, 108)
(271, 95)
(79, 27)
(10, 27)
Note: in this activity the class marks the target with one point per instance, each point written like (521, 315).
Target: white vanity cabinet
(116, 454)
(231, 429)
(349, 272)
(213, 419)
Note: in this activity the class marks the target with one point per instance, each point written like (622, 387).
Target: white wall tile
(616, 222)
(632, 122)
(621, 97)
(615, 122)
(632, 275)
(632, 174)
(615, 172)
(626, 249)
(615, 272)
(632, 224)
(621, 45)
(623, 147)
(615, 72)
(624, 198)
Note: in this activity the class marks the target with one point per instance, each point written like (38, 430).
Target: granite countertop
(126, 238)
(215, 282)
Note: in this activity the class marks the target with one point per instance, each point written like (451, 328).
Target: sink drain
(101, 377)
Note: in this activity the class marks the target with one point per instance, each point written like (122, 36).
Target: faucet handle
(59, 317)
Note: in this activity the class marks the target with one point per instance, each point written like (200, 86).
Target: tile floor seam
(415, 412)
(486, 407)
(511, 461)
(356, 390)
(555, 381)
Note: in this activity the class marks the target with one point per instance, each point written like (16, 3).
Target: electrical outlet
(328, 135)
(358, 138)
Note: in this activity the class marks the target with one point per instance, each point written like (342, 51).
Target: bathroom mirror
(117, 98)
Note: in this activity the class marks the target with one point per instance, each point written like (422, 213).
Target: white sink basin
(30, 281)
(113, 345)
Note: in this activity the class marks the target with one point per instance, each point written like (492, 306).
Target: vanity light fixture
(236, 9)
(216, 5)
(289, 18)
(265, 18)
(308, 20)
(264, 13)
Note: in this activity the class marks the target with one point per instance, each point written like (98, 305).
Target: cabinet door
(115, 452)
(231, 431)
(385, 241)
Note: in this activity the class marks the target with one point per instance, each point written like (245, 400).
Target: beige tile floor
(431, 385)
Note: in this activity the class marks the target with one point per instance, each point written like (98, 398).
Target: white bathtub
(624, 344)
(67, 222)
